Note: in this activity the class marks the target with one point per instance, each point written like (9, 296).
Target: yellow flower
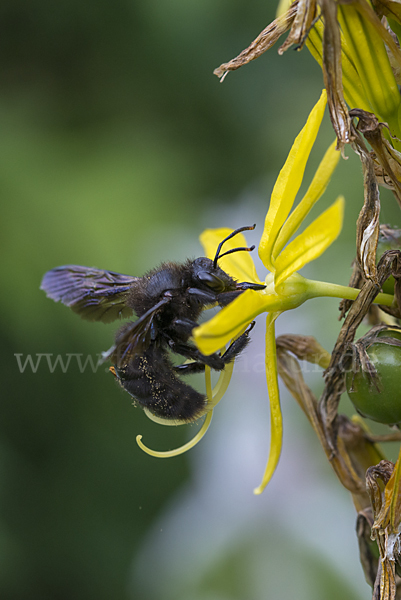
(285, 288)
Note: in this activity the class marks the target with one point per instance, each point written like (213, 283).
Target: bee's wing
(135, 338)
(94, 294)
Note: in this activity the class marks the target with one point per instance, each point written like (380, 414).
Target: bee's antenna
(232, 234)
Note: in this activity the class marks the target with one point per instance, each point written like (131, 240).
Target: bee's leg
(237, 345)
(183, 328)
(201, 297)
(229, 355)
(190, 368)
(213, 361)
(224, 298)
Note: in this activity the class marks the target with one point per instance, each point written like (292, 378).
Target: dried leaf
(367, 557)
(332, 73)
(356, 281)
(382, 472)
(265, 40)
(388, 158)
(368, 224)
(305, 347)
(387, 513)
(389, 8)
(304, 19)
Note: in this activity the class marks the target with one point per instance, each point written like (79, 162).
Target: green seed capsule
(379, 397)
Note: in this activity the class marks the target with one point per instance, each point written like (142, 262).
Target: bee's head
(209, 273)
(214, 278)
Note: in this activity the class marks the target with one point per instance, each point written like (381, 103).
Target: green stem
(322, 288)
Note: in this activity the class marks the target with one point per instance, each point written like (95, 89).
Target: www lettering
(32, 362)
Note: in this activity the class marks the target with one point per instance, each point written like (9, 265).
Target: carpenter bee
(168, 302)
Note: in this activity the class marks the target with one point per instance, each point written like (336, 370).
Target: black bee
(168, 302)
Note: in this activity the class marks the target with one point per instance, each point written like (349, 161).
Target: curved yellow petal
(311, 243)
(315, 191)
(240, 264)
(289, 181)
(215, 395)
(222, 384)
(170, 453)
(164, 420)
(228, 323)
(276, 419)
(213, 398)
(208, 384)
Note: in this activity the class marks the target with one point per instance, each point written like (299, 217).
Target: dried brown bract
(367, 554)
(367, 227)
(265, 40)
(387, 159)
(382, 483)
(332, 74)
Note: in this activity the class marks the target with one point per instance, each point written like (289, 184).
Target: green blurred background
(117, 147)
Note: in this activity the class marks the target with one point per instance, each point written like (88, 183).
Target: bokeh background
(117, 147)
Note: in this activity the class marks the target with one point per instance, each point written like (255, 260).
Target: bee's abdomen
(150, 379)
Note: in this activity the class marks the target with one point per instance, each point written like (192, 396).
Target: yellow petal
(213, 398)
(311, 243)
(363, 32)
(315, 191)
(240, 264)
(212, 335)
(222, 384)
(164, 420)
(289, 181)
(170, 453)
(276, 419)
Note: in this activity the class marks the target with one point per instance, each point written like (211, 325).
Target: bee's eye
(212, 281)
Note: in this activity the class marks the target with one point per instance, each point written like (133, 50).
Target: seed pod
(374, 383)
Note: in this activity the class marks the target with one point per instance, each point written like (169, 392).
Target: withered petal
(265, 40)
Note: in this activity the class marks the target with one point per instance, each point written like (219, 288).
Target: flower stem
(322, 288)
